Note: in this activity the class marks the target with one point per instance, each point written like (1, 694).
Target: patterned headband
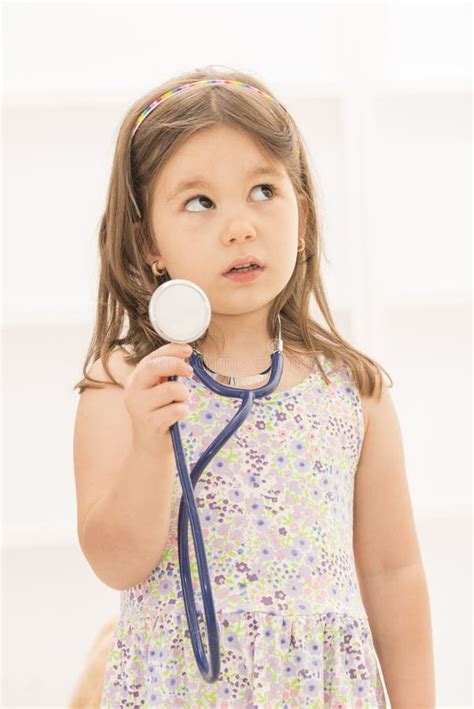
(151, 107)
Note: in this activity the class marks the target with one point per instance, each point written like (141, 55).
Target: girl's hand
(153, 402)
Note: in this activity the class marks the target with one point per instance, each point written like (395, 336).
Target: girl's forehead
(219, 142)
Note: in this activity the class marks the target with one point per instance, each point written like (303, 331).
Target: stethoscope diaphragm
(180, 311)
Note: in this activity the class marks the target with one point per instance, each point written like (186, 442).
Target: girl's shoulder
(338, 371)
(117, 365)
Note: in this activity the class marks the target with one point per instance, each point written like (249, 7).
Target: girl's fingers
(156, 367)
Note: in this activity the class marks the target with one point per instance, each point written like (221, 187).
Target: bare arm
(124, 533)
(125, 466)
(388, 561)
(398, 608)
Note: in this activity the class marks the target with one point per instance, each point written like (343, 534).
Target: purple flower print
(253, 479)
(265, 553)
(163, 654)
(298, 447)
(172, 682)
(255, 504)
(267, 600)
(209, 518)
(268, 633)
(241, 566)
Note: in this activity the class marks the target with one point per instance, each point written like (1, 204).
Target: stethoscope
(180, 312)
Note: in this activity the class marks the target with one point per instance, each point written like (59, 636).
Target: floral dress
(276, 511)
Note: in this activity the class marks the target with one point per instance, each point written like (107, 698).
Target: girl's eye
(203, 197)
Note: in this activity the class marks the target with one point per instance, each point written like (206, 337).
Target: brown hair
(126, 281)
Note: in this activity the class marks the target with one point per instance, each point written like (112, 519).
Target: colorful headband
(151, 107)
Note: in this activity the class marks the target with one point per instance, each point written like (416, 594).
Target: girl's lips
(244, 276)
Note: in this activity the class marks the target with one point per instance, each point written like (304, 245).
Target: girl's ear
(151, 255)
(149, 249)
(150, 259)
(303, 216)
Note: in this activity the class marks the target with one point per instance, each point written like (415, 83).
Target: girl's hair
(126, 281)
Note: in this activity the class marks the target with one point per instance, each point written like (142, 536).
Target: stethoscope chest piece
(180, 311)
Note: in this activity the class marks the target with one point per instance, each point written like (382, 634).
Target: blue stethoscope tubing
(187, 509)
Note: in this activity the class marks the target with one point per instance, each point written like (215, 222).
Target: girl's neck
(244, 364)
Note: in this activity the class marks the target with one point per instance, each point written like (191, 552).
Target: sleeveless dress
(276, 511)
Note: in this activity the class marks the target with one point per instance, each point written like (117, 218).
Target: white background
(382, 94)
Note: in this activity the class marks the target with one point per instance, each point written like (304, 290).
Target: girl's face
(227, 214)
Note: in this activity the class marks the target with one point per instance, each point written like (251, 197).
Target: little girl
(306, 516)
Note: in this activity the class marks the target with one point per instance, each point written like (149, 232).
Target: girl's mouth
(242, 275)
